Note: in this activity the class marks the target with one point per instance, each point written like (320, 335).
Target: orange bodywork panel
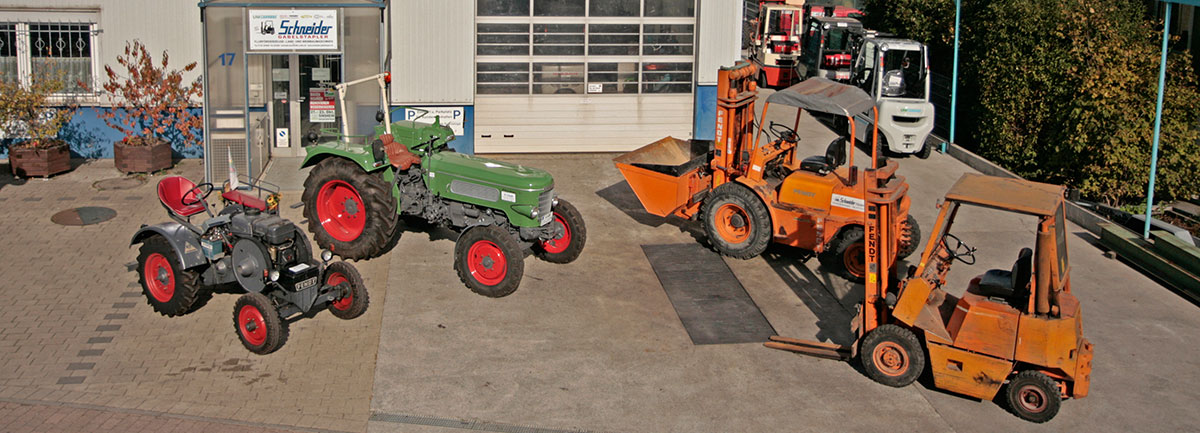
(984, 326)
(1051, 342)
(967, 373)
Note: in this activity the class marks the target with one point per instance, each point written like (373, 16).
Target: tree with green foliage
(1063, 91)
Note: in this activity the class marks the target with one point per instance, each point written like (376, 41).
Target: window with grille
(30, 51)
(554, 47)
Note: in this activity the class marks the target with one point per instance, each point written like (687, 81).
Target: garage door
(582, 75)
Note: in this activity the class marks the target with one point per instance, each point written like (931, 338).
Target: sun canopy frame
(824, 96)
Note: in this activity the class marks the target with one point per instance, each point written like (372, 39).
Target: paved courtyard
(594, 345)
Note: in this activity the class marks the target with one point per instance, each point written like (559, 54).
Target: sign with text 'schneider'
(293, 29)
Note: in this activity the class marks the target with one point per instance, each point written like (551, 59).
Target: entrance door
(303, 98)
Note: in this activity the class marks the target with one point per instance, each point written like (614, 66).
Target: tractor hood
(498, 173)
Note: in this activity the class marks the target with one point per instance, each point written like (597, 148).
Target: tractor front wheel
(892, 355)
(169, 289)
(1033, 396)
(737, 222)
(846, 255)
(566, 248)
(349, 211)
(489, 261)
(354, 302)
(258, 324)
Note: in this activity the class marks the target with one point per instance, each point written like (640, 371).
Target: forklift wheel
(846, 256)
(567, 248)
(489, 261)
(1033, 396)
(258, 324)
(925, 151)
(355, 303)
(737, 222)
(914, 238)
(169, 289)
(892, 355)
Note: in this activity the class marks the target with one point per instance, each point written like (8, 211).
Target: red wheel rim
(251, 325)
(1032, 399)
(344, 302)
(340, 210)
(160, 281)
(890, 358)
(486, 262)
(855, 259)
(733, 223)
(555, 246)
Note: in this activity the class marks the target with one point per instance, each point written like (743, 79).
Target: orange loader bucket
(666, 174)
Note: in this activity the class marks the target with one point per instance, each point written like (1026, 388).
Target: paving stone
(123, 305)
(67, 380)
(90, 352)
(104, 328)
(95, 340)
(81, 365)
(116, 316)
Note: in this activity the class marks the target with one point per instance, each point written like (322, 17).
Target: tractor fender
(185, 243)
(364, 159)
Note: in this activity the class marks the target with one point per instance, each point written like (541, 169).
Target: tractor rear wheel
(892, 355)
(737, 222)
(349, 211)
(354, 302)
(846, 255)
(258, 324)
(566, 248)
(910, 238)
(1033, 396)
(489, 261)
(169, 289)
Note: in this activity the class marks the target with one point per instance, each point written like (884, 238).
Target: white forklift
(895, 72)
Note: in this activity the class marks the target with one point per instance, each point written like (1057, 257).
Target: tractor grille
(546, 206)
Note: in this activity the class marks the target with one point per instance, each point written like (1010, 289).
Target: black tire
(576, 236)
(737, 222)
(1033, 396)
(258, 325)
(845, 256)
(347, 240)
(925, 152)
(355, 303)
(892, 355)
(489, 261)
(170, 290)
(905, 249)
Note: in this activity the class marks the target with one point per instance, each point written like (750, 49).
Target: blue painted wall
(89, 137)
(465, 143)
(705, 124)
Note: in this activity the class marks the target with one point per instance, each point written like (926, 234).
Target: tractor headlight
(274, 275)
(534, 213)
(326, 255)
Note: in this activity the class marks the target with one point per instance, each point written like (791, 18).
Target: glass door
(318, 98)
(303, 98)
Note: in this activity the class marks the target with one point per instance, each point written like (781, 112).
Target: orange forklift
(1020, 327)
(750, 191)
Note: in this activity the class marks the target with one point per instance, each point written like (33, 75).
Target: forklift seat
(171, 192)
(834, 157)
(1005, 284)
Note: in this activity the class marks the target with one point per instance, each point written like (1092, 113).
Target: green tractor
(360, 186)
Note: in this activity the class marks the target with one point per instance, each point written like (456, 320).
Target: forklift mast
(736, 94)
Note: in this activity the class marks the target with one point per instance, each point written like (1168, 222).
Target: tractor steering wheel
(198, 192)
(961, 251)
(784, 132)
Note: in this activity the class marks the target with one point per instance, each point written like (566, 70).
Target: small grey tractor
(248, 244)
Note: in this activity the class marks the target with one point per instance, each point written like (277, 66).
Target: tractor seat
(398, 154)
(244, 199)
(171, 192)
(1003, 284)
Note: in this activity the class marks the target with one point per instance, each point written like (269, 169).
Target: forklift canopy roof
(825, 96)
(1006, 193)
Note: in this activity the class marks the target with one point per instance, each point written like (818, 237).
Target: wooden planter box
(142, 159)
(40, 162)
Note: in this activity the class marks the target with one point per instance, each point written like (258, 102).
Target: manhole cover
(118, 183)
(82, 216)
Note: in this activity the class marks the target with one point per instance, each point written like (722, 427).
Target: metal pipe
(954, 75)
(874, 138)
(1162, 82)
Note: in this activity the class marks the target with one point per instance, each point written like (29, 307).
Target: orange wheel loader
(749, 191)
(1016, 329)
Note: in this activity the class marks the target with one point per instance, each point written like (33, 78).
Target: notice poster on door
(321, 108)
(304, 29)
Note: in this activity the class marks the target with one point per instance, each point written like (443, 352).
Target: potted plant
(151, 106)
(30, 122)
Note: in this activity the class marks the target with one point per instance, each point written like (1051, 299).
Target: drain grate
(82, 216)
(118, 183)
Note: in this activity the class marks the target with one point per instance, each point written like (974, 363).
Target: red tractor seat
(171, 192)
(244, 199)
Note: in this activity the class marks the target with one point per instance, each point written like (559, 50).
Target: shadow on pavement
(6, 177)
(833, 318)
(621, 196)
